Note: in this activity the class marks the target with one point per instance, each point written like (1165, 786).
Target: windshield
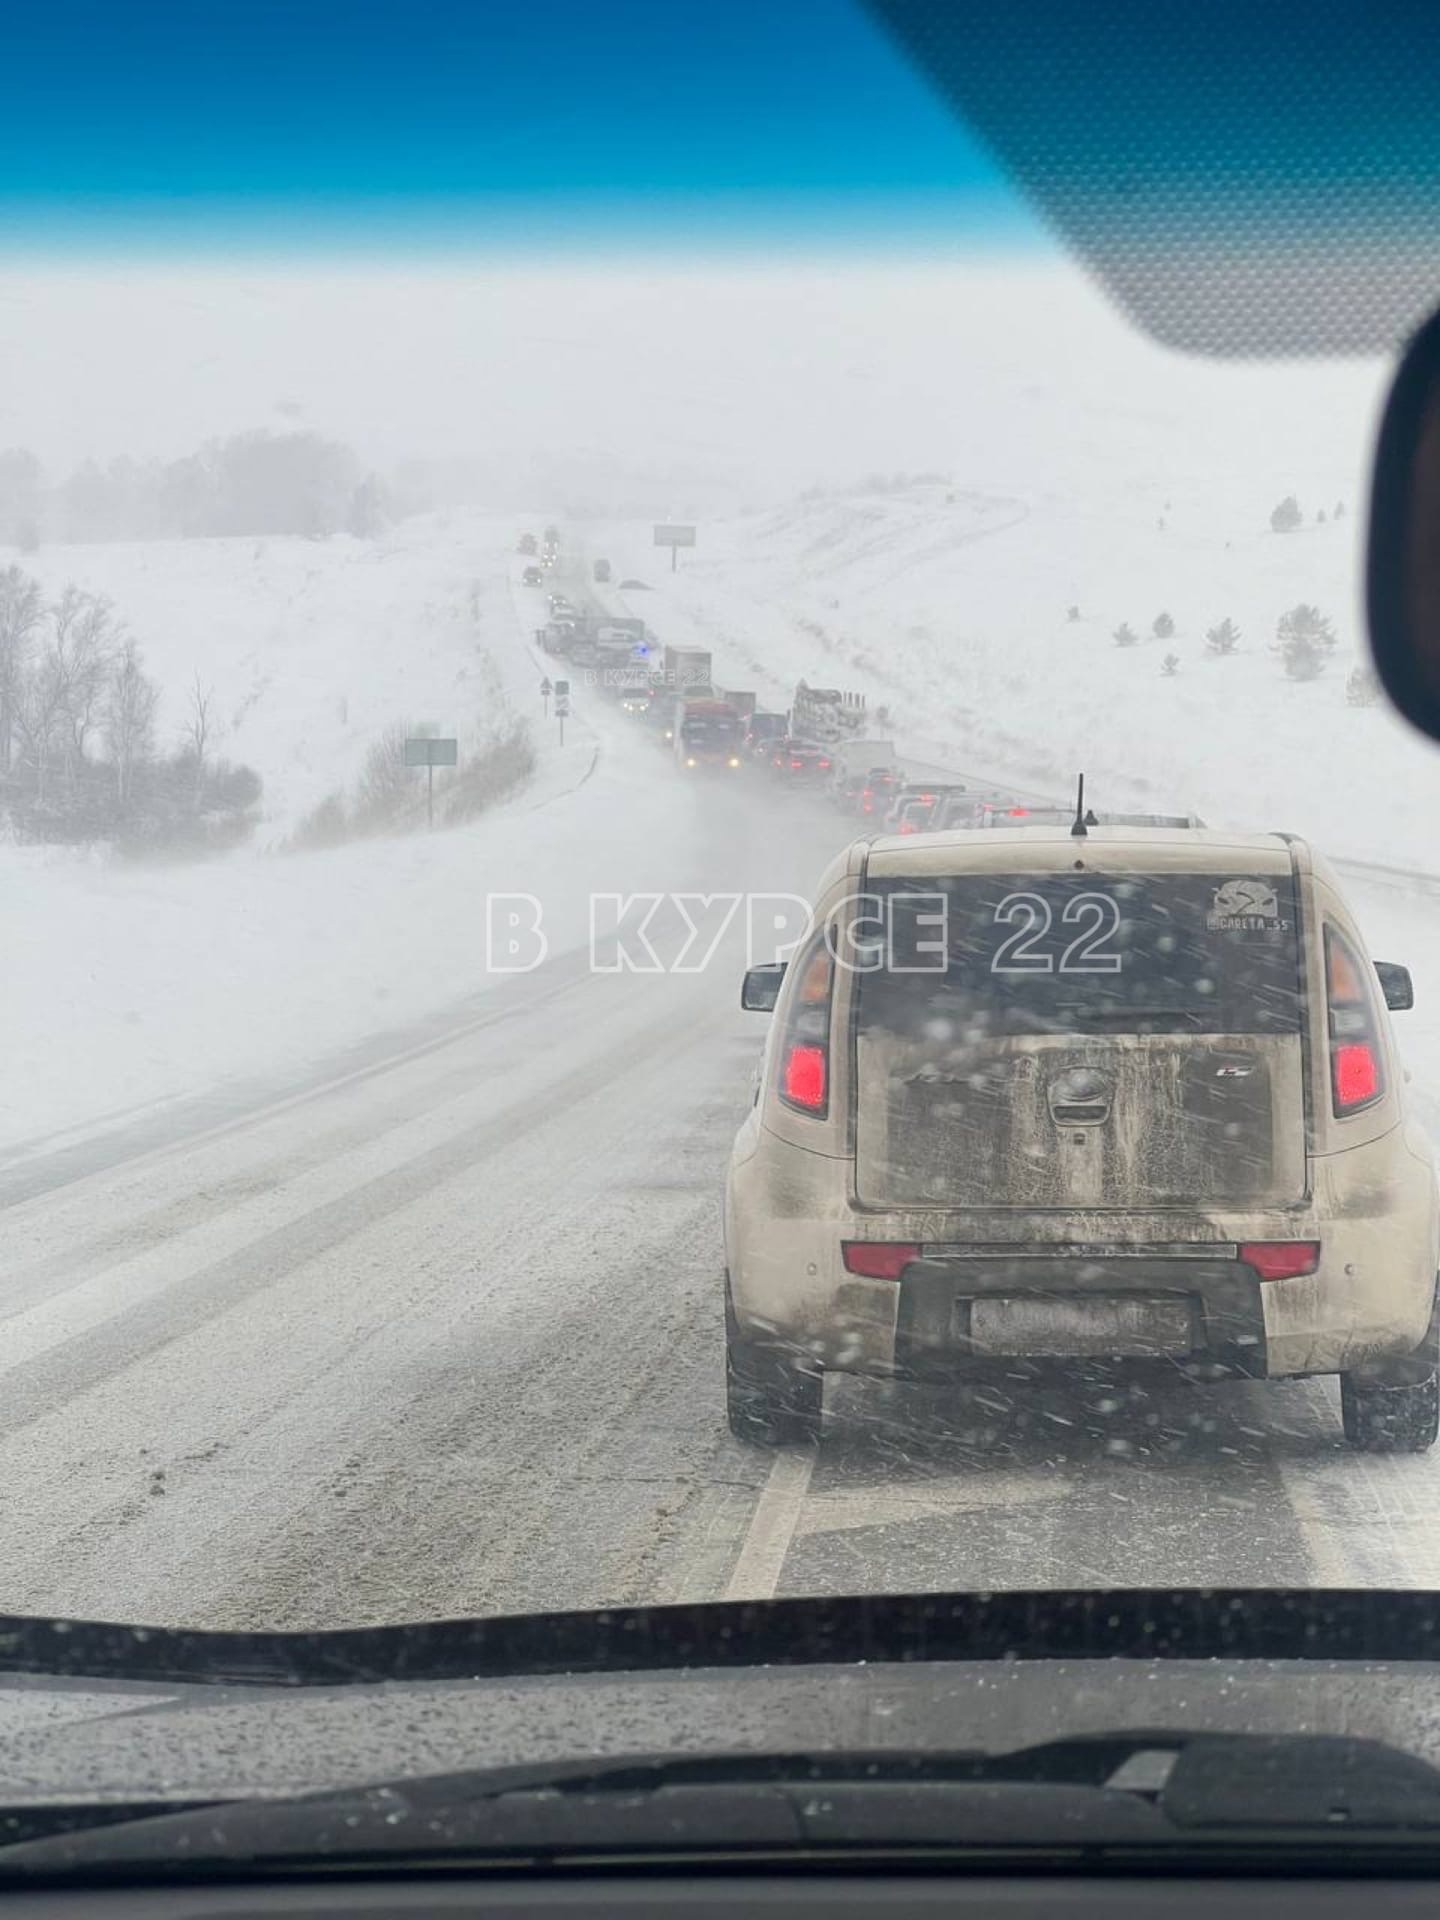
(403, 1217)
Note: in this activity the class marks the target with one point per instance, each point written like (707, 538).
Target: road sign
(545, 688)
(431, 753)
(674, 537)
(562, 689)
(562, 708)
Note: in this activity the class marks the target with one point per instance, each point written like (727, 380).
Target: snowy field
(151, 981)
(1127, 483)
(313, 647)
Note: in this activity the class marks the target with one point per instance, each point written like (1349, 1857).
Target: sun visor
(1242, 179)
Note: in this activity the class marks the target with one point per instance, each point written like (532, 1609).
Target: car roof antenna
(1080, 831)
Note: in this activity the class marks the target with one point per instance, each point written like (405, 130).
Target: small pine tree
(1304, 639)
(1362, 688)
(1287, 516)
(1170, 665)
(1163, 627)
(1223, 639)
(1339, 513)
(1073, 614)
(1126, 636)
(1160, 523)
(1320, 518)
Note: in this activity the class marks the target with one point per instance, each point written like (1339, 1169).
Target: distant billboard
(672, 536)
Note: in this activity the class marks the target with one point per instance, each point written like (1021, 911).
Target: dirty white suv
(1132, 1095)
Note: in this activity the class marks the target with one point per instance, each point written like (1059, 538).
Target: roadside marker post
(431, 753)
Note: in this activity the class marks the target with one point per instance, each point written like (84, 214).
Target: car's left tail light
(1357, 1055)
(805, 1046)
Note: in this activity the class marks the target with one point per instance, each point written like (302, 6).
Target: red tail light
(878, 1259)
(1281, 1259)
(822, 763)
(1019, 813)
(797, 763)
(805, 1057)
(804, 1078)
(1357, 1074)
(1357, 1077)
(907, 826)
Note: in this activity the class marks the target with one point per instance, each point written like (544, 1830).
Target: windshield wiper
(1151, 1791)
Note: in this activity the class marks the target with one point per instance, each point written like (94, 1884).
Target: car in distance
(1028, 1097)
(915, 805)
(801, 763)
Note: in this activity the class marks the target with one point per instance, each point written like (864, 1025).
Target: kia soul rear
(1132, 1096)
(1072, 1041)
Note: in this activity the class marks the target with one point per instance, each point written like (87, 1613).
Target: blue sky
(466, 123)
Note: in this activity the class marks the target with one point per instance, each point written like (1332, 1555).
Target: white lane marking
(772, 1528)
(851, 1509)
(1367, 1519)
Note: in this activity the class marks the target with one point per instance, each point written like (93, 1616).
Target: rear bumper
(954, 1314)
(788, 1213)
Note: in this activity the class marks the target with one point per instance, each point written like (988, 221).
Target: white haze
(1127, 480)
(665, 386)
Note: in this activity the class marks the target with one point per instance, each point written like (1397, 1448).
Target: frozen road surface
(439, 1333)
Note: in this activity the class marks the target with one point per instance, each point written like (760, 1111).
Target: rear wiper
(1148, 1790)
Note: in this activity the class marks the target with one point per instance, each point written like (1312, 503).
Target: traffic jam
(1045, 1086)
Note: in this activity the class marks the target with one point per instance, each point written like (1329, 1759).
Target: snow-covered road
(433, 1327)
(441, 1334)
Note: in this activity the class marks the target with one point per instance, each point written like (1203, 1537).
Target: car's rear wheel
(770, 1399)
(1394, 1406)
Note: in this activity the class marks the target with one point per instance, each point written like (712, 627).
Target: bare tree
(79, 659)
(92, 642)
(129, 715)
(197, 729)
(20, 615)
(38, 718)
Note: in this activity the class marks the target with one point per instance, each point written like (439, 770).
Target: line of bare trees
(80, 758)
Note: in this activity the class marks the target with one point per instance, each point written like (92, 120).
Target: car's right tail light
(805, 1045)
(1281, 1259)
(878, 1259)
(1357, 1055)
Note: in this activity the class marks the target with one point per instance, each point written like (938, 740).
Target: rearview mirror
(762, 987)
(1396, 985)
(1402, 586)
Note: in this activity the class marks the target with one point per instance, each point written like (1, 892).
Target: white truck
(826, 715)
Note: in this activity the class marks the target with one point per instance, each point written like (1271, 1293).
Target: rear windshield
(1080, 953)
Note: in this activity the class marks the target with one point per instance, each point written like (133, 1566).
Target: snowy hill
(311, 647)
(951, 608)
